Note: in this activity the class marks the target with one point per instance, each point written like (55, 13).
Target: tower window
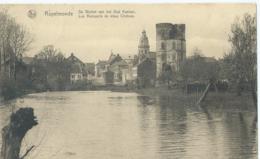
(162, 45)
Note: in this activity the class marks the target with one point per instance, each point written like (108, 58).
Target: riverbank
(17, 94)
(227, 100)
(13, 94)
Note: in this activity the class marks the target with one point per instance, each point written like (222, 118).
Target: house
(127, 73)
(114, 58)
(146, 73)
(108, 77)
(76, 73)
(90, 69)
(100, 68)
(76, 69)
(114, 64)
(118, 68)
(27, 60)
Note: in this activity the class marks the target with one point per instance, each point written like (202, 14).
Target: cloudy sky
(207, 27)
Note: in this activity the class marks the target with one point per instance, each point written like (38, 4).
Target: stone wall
(170, 46)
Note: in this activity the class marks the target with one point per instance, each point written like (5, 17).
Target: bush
(9, 89)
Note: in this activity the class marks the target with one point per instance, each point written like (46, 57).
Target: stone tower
(170, 46)
(143, 47)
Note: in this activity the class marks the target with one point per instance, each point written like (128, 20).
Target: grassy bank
(227, 100)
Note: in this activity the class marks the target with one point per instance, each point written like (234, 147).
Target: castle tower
(143, 47)
(170, 46)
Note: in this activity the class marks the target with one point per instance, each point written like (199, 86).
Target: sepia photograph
(128, 81)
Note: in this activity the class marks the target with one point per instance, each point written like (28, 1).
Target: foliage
(243, 50)
(14, 34)
(51, 68)
(8, 89)
(243, 43)
(199, 68)
(227, 68)
(14, 41)
(23, 76)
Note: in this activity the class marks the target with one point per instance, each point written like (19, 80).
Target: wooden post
(12, 135)
(202, 98)
(197, 95)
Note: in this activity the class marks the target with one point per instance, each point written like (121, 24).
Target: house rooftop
(114, 58)
(27, 60)
(73, 58)
(210, 59)
(101, 63)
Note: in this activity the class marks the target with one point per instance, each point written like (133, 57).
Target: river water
(110, 125)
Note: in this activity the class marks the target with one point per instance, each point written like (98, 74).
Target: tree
(14, 36)
(14, 42)
(199, 68)
(243, 48)
(49, 54)
(12, 134)
(227, 69)
(51, 67)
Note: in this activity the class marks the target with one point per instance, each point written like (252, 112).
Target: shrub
(8, 89)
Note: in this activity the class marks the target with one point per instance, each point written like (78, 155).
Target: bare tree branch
(27, 152)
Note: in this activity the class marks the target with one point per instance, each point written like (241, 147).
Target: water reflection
(112, 125)
(188, 132)
(146, 100)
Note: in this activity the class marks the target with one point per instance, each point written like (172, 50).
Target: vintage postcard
(128, 81)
